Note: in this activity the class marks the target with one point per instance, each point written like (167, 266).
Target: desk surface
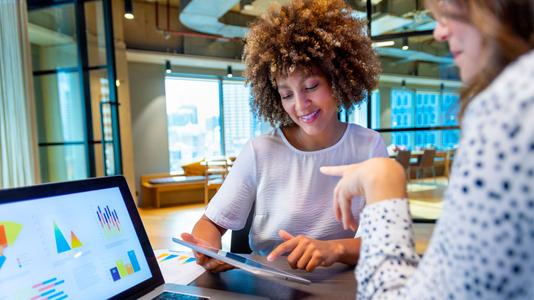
(335, 282)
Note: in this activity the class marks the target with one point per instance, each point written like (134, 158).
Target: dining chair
(216, 171)
(449, 159)
(403, 158)
(426, 162)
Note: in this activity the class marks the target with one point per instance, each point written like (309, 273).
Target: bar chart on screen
(126, 267)
(49, 289)
(109, 221)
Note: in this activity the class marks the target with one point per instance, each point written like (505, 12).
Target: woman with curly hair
(304, 62)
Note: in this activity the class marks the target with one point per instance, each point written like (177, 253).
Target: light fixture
(246, 4)
(229, 73)
(405, 44)
(128, 9)
(383, 44)
(168, 68)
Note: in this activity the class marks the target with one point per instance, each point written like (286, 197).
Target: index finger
(285, 247)
(333, 170)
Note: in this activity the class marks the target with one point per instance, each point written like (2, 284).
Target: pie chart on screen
(9, 231)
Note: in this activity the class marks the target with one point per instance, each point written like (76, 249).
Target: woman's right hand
(376, 179)
(210, 264)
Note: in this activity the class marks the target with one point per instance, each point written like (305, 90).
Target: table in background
(335, 282)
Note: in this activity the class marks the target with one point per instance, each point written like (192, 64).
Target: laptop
(82, 240)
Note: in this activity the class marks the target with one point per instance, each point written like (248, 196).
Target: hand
(210, 264)
(306, 253)
(376, 179)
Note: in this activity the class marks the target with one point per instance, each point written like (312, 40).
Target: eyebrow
(284, 86)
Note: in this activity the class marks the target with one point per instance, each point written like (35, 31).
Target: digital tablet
(243, 263)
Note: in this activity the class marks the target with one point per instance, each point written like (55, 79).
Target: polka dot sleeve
(387, 257)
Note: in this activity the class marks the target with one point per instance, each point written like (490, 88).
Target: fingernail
(270, 258)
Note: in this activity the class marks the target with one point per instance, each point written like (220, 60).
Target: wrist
(347, 250)
(390, 183)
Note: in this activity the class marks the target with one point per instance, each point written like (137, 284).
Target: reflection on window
(193, 119)
(417, 140)
(401, 108)
(69, 111)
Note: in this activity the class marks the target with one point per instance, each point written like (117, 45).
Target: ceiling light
(168, 67)
(229, 73)
(246, 4)
(128, 9)
(405, 43)
(383, 44)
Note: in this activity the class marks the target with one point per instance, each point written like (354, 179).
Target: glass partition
(76, 108)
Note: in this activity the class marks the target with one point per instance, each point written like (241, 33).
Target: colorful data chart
(182, 259)
(122, 270)
(109, 221)
(61, 243)
(9, 231)
(49, 289)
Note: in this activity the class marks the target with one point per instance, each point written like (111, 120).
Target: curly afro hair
(308, 34)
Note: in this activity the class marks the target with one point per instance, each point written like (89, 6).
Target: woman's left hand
(306, 253)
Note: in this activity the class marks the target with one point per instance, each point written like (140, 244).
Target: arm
(208, 231)
(480, 244)
(228, 209)
(388, 256)
(209, 234)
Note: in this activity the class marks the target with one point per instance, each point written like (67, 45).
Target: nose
(301, 101)
(441, 31)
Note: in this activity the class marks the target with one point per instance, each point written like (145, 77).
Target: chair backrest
(239, 240)
(403, 158)
(427, 160)
(216, 167)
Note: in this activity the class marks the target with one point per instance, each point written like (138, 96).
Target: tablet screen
(240, 261)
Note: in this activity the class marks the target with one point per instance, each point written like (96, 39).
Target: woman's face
(308, 100)
(465, 41)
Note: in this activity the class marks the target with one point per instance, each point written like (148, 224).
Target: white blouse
(483, 244)
(287, 187)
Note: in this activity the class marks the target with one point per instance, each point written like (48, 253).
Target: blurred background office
(152, 89)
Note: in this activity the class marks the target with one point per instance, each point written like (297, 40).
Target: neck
(328, 137)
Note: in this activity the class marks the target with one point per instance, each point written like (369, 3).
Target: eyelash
(307, 89)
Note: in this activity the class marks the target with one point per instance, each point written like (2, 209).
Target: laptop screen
(79, 245)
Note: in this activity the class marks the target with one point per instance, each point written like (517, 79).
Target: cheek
(287, 107)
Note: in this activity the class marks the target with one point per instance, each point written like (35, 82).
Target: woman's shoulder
(508, 96)
(267, 139)
(358, 132)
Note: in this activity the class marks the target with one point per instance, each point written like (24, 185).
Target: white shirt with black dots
(483, 244)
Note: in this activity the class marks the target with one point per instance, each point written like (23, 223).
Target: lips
(309, 118)
(456, 53)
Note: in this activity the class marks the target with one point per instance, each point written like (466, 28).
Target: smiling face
(308, 100)
(465, 41)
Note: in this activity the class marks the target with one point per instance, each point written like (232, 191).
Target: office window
(240, 124)
(238, 120)
(405, 108)
(193, 117)
(197, 107)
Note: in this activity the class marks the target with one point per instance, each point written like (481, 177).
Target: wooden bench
(171, 189)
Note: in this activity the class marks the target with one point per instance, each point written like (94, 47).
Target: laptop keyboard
(176, 296)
